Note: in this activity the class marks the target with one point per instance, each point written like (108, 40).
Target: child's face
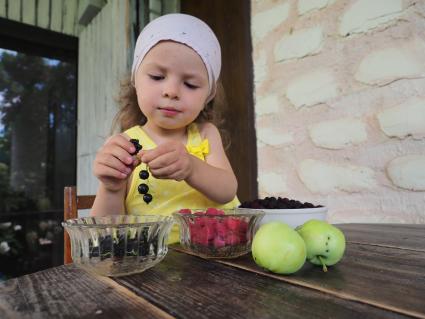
(171, 85)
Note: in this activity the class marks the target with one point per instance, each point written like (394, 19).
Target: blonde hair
(130, 115)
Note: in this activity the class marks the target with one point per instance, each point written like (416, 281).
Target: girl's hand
(114, 163)
(168, 161)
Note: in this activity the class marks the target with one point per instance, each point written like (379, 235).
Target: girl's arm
(214, 177)
(108, 202)
(113, 166)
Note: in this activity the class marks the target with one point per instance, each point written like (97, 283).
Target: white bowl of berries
(289, 211)
(217, 233)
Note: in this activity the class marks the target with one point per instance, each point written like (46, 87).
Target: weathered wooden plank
(3, 12)
(43, 14)
(389, 235)
(189, 287)
(373, 275)
(28, 11)
(155, 9)
(14, 10)
(56, 16)
(68, 292)
(70, 9)
(170, 6)
(99, 79)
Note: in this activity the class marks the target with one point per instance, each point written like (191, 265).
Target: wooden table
(382, 275)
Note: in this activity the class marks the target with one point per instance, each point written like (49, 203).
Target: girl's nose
(171, 90)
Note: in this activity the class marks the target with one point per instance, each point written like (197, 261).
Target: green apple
(325, 243)
(278, 248)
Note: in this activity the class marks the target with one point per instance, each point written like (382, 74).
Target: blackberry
(147, 198)
(144, 174)
(144, 242)
(277, 203)
(308, 205)
(119, 247)
(137, 146)
(143, 188)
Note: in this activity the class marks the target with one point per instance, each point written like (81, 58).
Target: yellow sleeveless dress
(169, 195)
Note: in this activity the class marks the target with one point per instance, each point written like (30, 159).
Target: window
(38, 108)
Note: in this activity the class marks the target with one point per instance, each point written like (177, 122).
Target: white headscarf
(185, 29)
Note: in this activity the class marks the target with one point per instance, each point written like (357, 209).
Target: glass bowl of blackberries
(118, 245)
(217, 233)
(289, 211)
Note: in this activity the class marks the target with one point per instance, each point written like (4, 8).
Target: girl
(182, 163)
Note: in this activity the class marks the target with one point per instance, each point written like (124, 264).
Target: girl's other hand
(168, 161)
(114, 163)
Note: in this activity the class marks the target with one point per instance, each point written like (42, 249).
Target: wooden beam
(36, 41)
(88, 9)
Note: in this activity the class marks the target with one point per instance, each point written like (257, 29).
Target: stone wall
(340, 105)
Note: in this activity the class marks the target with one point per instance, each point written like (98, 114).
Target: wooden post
(70, 211)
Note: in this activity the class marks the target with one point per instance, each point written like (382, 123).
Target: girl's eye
(190, 86)
(156, 77)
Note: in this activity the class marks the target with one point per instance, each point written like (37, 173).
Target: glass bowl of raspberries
(289, 211)
(217, 233)
(118, 245)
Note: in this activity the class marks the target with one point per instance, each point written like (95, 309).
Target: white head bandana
(185, 29)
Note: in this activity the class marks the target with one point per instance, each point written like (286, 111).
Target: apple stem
(325, 269)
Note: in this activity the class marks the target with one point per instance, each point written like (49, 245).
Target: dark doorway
(230, 20)
(38, 109)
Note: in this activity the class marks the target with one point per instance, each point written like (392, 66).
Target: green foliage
(11, 200)
(28, 84)
(9, 243)
(26, 80)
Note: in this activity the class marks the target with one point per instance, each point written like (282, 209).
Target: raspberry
(214, 211)
(232, 224)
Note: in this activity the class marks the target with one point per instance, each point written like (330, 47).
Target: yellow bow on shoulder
(201, 150)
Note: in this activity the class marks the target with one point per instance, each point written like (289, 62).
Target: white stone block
(338, 134)
(312, 88)
(299, 44)
(405, 119)
(266, 21)
(272, 183)
(387, 65)
(260, 68)
(274, 137)
(305, 6)
(322, 177)
(364, 15)
(268, 104)
(408, 172)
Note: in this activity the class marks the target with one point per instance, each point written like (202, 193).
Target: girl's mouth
(169, 111)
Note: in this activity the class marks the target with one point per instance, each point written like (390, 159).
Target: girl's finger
(123, 142)
(108, 172)
(163, 172)
(119, 153)
(164, 160)
(113, 162)
(150, 155)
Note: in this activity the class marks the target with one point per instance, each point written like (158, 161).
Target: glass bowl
(118, 245)
(215, 233)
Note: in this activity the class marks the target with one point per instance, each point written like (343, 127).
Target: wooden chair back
(72, 203)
